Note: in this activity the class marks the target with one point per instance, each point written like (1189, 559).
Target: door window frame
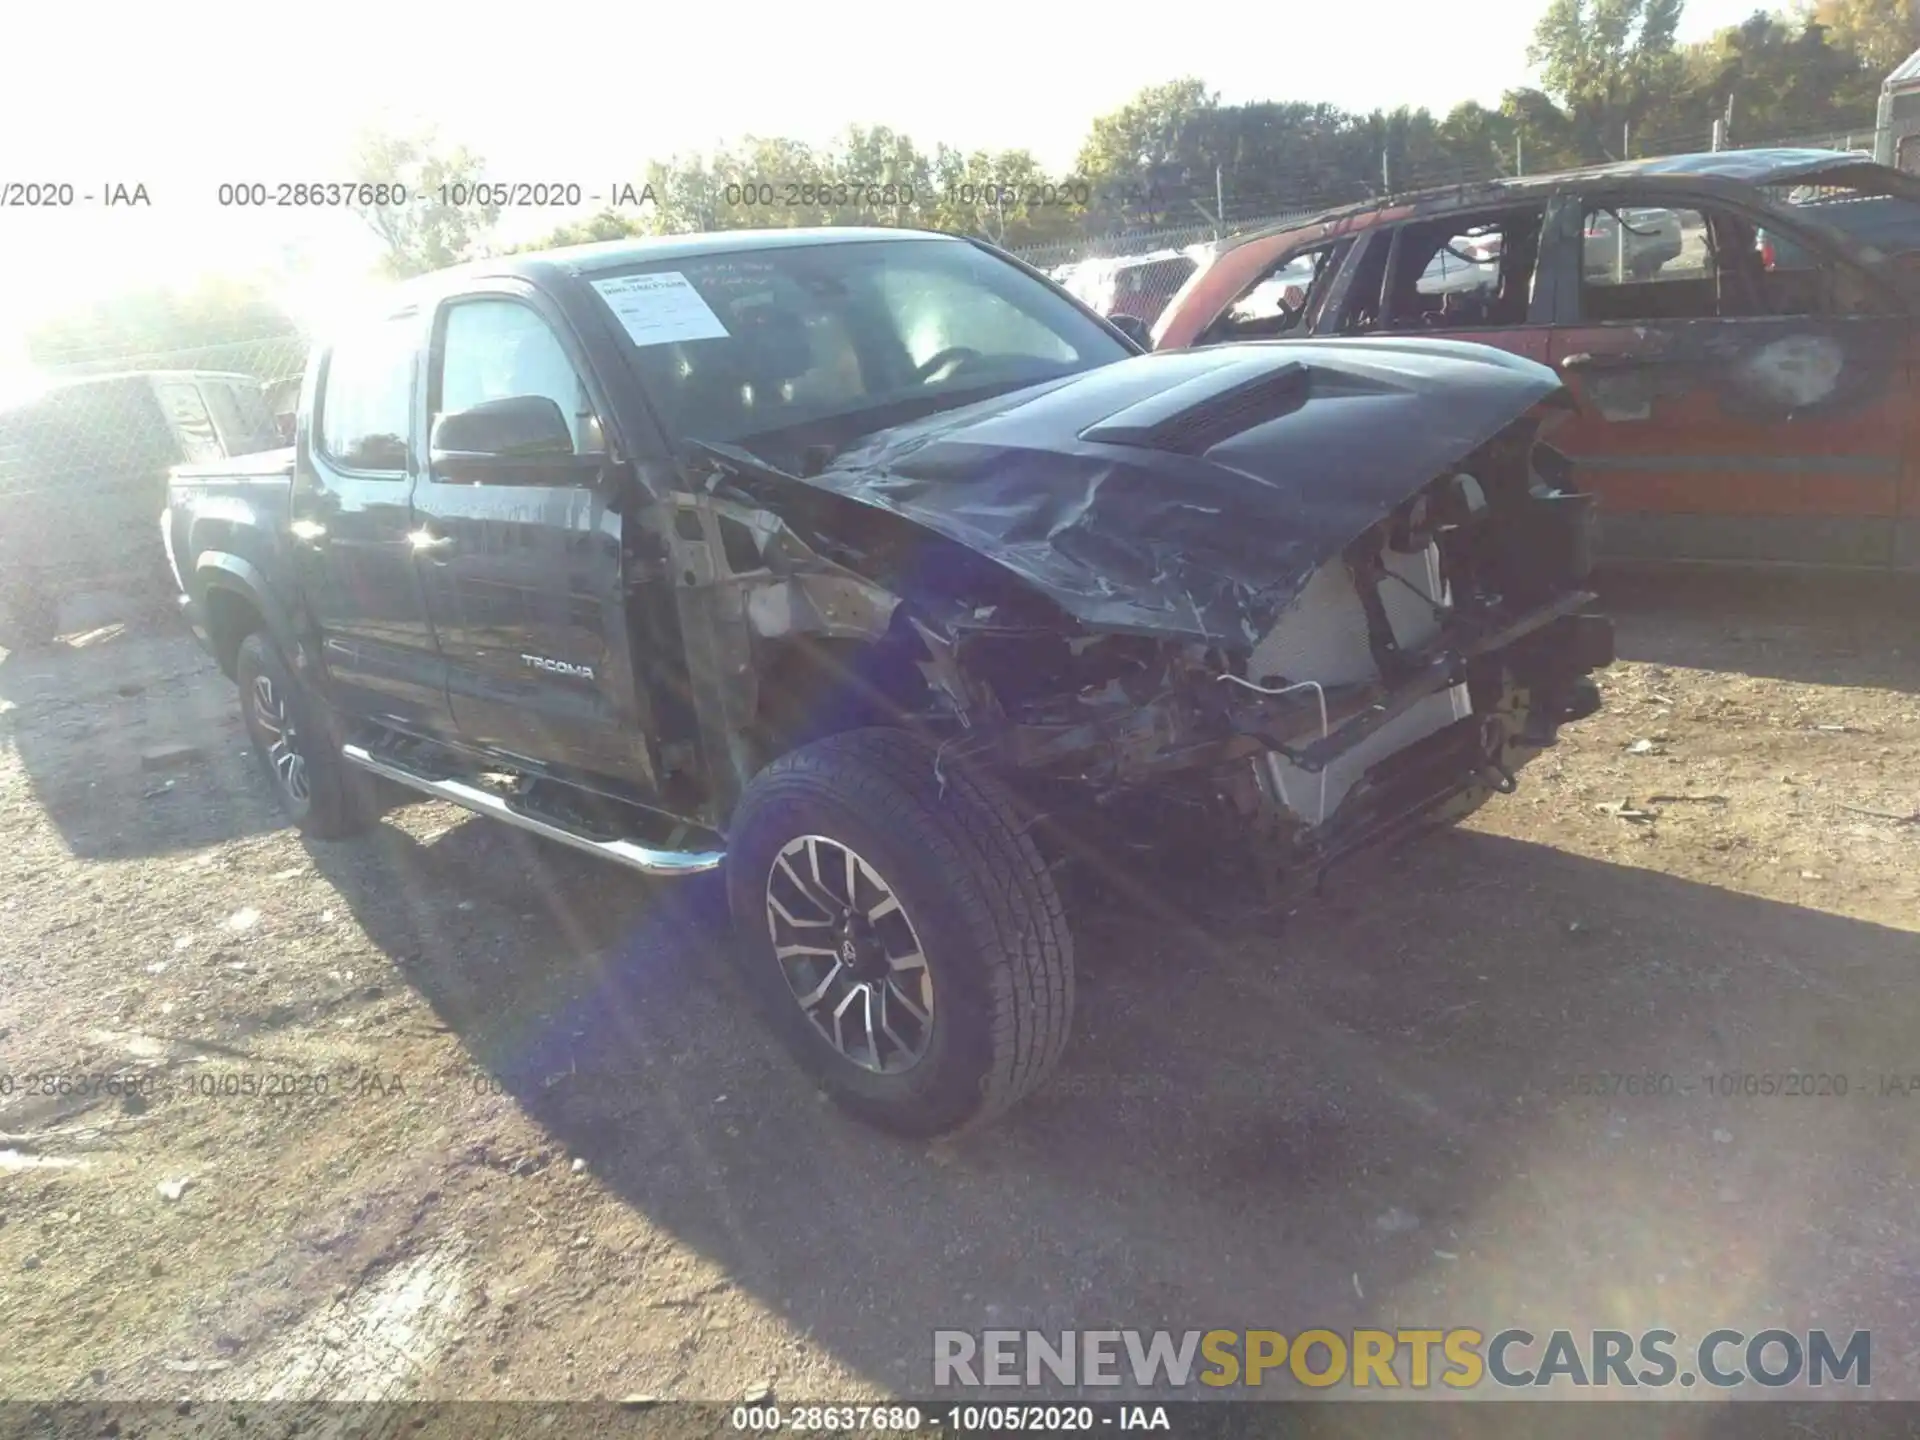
(1321, 291)
(318, 435)
(1540, 309)
(531, 298)
(1758, 215)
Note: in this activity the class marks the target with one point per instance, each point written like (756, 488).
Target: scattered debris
(1356, 1286)
(759, 1394)
(174, 1189)
(1687, 800)
(169, 757)
(1627, 810)
(1723, 1137)
(32, 1262)
(244, 918)
(578, 1166)
(196, 1367)
(1643, 747)
(1445, 1255)
(1811, 875)
(1396, 1221)
(639, 1402)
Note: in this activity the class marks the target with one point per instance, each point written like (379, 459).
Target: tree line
(1613, 82)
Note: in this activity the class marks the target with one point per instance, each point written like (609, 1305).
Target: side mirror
(1134, 328)
(518, 427)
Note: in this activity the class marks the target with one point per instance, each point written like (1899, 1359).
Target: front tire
(294, 745)
(900, 930)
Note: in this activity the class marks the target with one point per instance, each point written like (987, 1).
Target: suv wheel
(900, 930)
(320, 792)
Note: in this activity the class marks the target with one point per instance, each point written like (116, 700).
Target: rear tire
(296, 747)
(940, 871)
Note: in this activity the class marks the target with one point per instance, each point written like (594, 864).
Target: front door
(1728, 412)
(354, 475)
(520, 556)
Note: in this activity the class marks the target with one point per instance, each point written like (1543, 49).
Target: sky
(182, 97)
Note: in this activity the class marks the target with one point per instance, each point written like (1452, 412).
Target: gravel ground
(448, 1112)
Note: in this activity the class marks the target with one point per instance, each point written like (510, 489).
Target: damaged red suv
(1729, 409)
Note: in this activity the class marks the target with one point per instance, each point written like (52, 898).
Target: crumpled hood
(1194, 492)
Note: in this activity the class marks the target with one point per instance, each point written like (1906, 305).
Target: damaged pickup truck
(836, 562)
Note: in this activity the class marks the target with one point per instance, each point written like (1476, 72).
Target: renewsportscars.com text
(1451, 1359)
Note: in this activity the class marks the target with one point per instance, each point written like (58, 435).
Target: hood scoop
(1191, 419)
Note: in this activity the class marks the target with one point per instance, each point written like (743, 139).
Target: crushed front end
(1412, 676)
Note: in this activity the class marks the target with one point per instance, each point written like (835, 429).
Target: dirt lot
(554, 1158)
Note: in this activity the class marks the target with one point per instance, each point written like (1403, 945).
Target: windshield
(734, 346)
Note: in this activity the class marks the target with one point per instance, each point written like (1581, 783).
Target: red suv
(1724, 409)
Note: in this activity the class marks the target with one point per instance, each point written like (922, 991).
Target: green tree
(431, 230)
(1881, 33)
(1148, 159)
(1778, 78)
(1607, 64)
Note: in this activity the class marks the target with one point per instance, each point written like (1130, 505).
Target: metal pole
(1386, 176)
(1219, 199)
(1626, 140)
(1519, 152)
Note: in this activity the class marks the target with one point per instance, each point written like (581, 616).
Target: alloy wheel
(283, 740)
(850, 954)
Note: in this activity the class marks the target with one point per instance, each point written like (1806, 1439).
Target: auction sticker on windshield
(661, 308)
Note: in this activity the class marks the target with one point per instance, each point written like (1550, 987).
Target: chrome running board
(485, 802)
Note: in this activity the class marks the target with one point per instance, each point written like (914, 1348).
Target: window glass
(499, 349)
(935, 310)
(836, 335)
(366, 401)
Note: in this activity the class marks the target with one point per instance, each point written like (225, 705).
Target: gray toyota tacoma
(874, 577)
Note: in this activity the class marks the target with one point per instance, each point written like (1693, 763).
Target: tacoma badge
(558, 667)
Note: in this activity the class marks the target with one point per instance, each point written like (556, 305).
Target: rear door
(356, 466)
(1727, 413)
(520, 558)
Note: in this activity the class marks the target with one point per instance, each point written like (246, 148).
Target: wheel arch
(237, 602)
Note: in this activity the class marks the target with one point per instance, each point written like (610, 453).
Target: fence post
(1719, 134)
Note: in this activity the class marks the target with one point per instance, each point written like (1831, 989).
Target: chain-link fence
(84, 461)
